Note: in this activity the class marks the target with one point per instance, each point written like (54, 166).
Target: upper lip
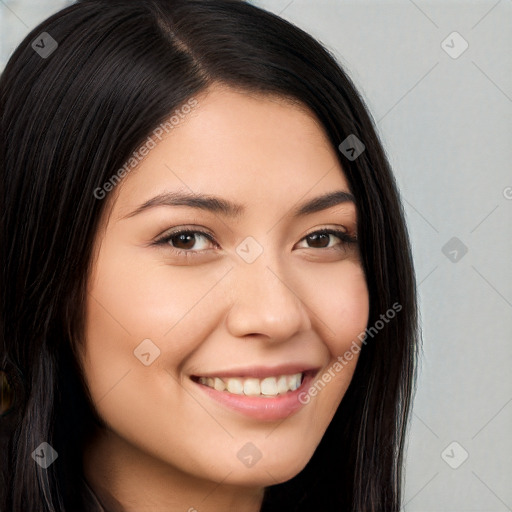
(260, 372)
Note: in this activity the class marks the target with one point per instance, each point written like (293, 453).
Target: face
(223, 290)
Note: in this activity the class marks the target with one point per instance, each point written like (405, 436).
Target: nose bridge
(265, 301)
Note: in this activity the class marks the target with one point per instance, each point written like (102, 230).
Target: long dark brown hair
(68, 121)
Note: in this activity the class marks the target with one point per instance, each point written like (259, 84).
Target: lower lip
(259, 407)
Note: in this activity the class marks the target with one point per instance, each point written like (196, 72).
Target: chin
(268, 473)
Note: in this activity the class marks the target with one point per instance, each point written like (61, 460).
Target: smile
(268, 387)
(264, 395)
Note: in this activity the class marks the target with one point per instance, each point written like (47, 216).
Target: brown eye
(318, 240)
(187, 241)
(322, 239)
(183, 240)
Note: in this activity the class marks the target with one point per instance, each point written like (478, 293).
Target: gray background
(446, 125)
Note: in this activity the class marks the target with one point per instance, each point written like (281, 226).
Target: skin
(168, 445)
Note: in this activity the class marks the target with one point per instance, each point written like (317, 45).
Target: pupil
(185, 238)
(315, 240)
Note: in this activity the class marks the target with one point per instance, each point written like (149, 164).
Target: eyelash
(345, 238)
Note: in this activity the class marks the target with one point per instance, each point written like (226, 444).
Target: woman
(208, 298)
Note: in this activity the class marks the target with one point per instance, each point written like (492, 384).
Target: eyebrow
(228, 208)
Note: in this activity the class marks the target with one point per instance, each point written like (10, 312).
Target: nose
(265, 303)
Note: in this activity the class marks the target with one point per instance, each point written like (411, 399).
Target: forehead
(251, 148)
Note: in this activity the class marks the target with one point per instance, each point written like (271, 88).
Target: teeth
(282, 384)
(251, 387)
(235, 386)
(269, 386)
(294, 382)
(219, 384)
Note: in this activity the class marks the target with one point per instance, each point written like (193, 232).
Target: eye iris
(184, 238)
(318, 240)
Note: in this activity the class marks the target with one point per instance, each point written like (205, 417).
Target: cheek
(132, 299)
(341, 305)
(342, 311)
